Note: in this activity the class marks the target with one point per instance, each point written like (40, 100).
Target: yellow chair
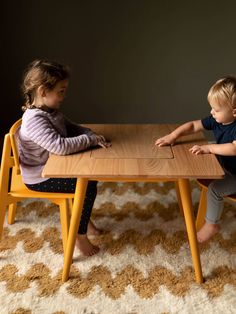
(13, 190)
(203, 202)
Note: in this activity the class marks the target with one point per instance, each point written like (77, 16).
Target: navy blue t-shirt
(223, 134)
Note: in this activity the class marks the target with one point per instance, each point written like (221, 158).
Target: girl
(45, 130)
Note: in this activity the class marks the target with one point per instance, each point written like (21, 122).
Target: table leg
(80, 191)
(185, 194)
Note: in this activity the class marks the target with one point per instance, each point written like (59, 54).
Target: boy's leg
(215, 204)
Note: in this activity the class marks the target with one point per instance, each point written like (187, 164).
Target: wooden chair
(203, 202)
(13, 190)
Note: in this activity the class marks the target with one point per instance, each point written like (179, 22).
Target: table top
(134, 155)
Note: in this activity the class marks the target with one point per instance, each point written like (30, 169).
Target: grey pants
(216, 191)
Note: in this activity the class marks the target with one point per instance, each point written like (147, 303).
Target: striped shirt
(44, 132)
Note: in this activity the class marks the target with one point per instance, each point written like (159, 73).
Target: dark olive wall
(132, 61)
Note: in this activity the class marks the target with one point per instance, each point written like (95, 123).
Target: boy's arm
(184, 129)
(228, 149)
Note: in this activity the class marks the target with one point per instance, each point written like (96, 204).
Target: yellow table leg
(80, 191)
(185, 194)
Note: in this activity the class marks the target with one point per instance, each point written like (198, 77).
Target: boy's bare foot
(85, 246)
(92, 229)
(207, 231)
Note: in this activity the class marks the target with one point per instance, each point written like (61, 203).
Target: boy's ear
(41, 90)
(234, 112)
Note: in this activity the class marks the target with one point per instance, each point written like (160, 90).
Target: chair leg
(70, 202)
(2, 217)
(179, 198)
(64, 216)
(201, 209)
(11, 213)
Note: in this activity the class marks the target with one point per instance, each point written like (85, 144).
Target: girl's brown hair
(223, 92)
(41, 72)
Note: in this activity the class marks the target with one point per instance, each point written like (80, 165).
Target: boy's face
(224, 114)
(53, 98)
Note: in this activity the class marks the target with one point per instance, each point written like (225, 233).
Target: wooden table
(134, 157)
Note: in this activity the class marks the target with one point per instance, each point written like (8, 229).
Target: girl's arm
(74, 129)
(184, 129)
(228, 149)
(41, 131)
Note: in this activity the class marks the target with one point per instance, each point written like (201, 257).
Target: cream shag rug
(144, 265)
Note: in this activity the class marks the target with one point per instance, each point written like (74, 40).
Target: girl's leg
(67, 185)
(215, 204)
(92, 229)
(82, 241)
(89, 199)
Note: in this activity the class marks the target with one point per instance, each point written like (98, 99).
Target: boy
(222, 121)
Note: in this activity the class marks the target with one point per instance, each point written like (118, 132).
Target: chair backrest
(7, 163)
(10, 176)
(14, 144)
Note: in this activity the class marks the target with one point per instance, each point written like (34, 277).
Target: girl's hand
(102, 141)
(203, 149)
(166, 140)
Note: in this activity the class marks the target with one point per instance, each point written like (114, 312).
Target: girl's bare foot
(85, 246)
(92, 229)
(207, 231)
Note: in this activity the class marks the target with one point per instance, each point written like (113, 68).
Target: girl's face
(53, 98)
(224, 114)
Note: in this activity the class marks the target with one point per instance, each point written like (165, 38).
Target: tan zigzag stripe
(109, 209)
(41, 209)
(31, 242)
(114, 287)
(106, 209)
(145, 188)
(142, 189)
(21, 311)
(142, 244)
(132, 208)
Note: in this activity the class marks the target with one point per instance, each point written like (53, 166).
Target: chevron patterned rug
(144, 265)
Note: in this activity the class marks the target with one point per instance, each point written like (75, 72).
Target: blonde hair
(41, 72)
(223, 92)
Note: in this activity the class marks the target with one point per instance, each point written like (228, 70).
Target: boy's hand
(203, 149)
(166, 140)
(102, 141)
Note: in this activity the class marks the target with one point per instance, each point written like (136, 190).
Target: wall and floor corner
(132, 61)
